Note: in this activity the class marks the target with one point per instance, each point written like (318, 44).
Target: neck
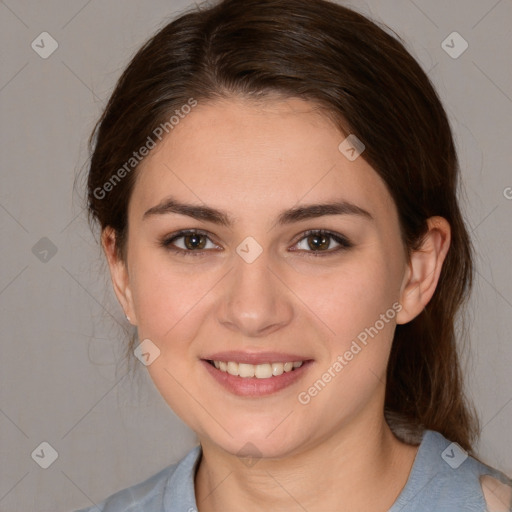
(360, 467)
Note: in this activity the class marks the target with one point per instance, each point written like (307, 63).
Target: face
(264, 277)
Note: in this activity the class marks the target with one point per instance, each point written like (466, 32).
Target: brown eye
(195, 241)
(316, 242)
(188, 243)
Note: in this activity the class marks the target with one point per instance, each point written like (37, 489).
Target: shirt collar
(179, 493)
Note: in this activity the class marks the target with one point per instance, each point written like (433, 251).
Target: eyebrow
(295, 214)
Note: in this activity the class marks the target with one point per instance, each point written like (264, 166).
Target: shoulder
(146, 495)
(497, 494)
(149, 495)
(445, 477)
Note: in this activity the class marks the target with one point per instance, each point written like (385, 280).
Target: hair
(366, 81)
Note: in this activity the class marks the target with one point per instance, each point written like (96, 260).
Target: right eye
(192, 243)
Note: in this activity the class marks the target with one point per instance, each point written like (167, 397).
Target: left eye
(319, 241)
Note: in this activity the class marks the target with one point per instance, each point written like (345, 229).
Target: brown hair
(369, 84)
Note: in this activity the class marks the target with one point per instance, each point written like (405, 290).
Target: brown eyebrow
(296, 214)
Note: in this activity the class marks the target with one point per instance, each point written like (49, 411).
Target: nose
(255, 302)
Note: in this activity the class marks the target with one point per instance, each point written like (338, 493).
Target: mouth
(256, 380)
(259, 371)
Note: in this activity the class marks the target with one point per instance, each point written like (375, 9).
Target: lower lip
(252, 386)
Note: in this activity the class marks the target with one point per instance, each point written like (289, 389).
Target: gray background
(62, 378)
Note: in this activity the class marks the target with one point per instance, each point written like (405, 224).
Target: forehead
(241, 155)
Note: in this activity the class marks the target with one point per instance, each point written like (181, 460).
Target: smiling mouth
(259, 371)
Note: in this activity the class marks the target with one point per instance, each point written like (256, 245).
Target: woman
(276, 187)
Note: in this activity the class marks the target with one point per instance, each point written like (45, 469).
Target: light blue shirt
(442, 479)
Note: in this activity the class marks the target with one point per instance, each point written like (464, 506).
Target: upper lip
(255, 357)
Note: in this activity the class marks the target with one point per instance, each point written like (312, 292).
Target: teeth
(232, 368)
(244, 370)
(260, 371)
(277, 369)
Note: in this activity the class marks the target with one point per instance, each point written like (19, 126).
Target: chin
(256, 446)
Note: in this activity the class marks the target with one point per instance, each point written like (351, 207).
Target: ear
(424, 269)
(118, 274)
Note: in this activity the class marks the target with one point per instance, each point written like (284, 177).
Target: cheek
(359, 305)
(166, 298)
(170, 310)
(354, 298)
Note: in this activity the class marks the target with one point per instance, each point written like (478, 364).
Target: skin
(498, 496)
(253, 160)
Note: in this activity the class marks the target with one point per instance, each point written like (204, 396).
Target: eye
(320, 241)
(189, 242)
(315, 242)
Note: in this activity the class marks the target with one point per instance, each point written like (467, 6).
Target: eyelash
(344, 243)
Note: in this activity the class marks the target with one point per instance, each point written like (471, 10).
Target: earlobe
(423, 270)
(118, 274)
